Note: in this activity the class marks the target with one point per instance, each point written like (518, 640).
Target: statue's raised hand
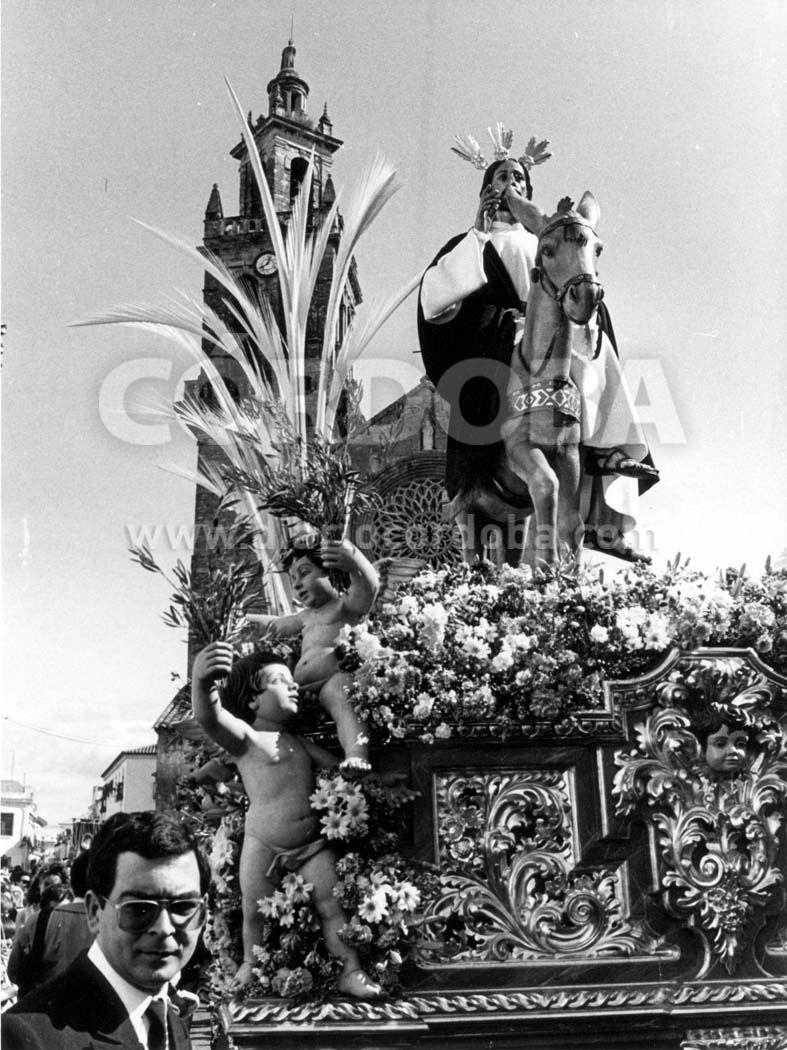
(339, 554)
(212, 662)
(487, 206)
(524, 211)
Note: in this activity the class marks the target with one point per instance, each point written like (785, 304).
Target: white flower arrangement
(512, 649)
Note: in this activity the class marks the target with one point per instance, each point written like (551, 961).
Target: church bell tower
(287, 139)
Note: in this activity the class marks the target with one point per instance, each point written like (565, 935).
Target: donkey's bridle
(539, 275)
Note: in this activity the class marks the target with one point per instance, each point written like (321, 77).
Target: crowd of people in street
(49, 923)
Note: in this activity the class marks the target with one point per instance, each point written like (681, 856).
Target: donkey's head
(567, 257)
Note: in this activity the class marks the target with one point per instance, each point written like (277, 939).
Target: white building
(128, 783)
(20, 825)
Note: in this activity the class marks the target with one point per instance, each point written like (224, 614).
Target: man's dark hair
(79, 874)
(45, 871)
(489, 174)
(150, 834)
(53, 895)
(243, 682)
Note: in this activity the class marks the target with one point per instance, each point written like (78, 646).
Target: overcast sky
(671, 112)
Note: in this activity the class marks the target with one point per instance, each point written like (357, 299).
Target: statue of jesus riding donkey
(515, 336)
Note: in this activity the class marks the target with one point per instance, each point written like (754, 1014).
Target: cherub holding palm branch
(310, 563)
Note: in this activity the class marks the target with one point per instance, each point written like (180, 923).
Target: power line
(59, 736)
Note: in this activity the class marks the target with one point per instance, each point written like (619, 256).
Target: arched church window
(298, 170)
(255, 199)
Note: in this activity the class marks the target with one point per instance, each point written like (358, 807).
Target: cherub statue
(726, 745)
(310, 562)
(248, 719)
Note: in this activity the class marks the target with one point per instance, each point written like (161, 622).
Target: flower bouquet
(517, 651)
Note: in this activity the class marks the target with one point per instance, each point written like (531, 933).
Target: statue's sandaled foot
(618, 547)
(359, 985)
(355, 766)
(242, 978)
(617, 462)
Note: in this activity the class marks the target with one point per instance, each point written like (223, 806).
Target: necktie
(156, 1014)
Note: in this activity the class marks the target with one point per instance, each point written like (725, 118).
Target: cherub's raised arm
(214, 662)
(364, 581)
(275, 627)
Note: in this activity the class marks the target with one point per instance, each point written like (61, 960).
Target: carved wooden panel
(618, 885)
(508, 849)
(718, 821)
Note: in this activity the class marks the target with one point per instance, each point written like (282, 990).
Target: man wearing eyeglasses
(145, 903)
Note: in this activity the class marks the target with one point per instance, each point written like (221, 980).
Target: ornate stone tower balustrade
(622, 886)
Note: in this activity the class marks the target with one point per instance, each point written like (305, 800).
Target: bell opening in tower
(298, 170)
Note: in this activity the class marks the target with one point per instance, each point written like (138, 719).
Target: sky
(670, 111)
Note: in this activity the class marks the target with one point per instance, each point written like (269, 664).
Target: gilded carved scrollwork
(761, 1038)
(718, 816)
(542, 1001)
(510, 888)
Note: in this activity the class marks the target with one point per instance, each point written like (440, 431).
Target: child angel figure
(326, 611)
(726, 744)
(281, 832)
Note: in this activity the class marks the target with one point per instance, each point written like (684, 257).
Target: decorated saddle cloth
(559, 394)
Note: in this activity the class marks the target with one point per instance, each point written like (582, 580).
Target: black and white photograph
(394, 547)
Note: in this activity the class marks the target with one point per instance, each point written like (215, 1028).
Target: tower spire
(288, 92)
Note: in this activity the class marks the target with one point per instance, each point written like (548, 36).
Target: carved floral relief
(759, 1038)
(509, 886)
(709, 770)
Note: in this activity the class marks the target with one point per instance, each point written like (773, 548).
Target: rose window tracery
(409, 523)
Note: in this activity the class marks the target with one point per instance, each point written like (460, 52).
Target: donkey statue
(542, 430)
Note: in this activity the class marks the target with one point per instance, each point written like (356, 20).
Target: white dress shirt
(135, 1001)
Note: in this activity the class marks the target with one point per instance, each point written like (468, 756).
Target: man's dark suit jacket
(77, 1010)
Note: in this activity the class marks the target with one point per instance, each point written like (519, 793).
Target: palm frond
(365, 327)
(189, 323)
(328, 491)
(289, 256)
(372, 192)
(215, 613)
(257, 324)
(267, 470)
(205, 475)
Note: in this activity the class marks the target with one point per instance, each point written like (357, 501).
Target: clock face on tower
(265, 264)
